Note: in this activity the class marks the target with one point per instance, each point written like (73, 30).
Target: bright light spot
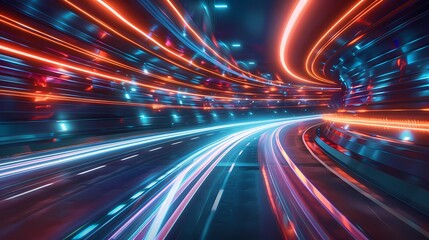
(145, 71)
(252, 63)
(137, 195)
(127, 96)
(236, 45)
(221, 6)
(406, 136)
(151, 185)
(116, 209)
(63, 127)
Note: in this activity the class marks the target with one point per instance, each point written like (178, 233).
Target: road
(252, 180)
(117, 188)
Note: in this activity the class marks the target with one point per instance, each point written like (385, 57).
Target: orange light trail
(385, 123)
(311, 72)
(80, 69)
(319, 52)
(50, 38)
(284, 45)
(43, 97)
(141, 32)
(98, 21)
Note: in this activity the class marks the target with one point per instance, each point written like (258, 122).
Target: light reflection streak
(379, 122)
(12, 167)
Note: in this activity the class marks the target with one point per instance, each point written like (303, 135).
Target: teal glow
(116, 209)
(137, 195)
(221, 6)
(85, 231)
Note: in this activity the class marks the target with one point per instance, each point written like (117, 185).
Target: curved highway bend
(191, 183)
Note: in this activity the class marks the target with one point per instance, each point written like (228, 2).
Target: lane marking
(176, 142)
(209, 134)
(29, 191)
(92, 169)
(194, 138)
(232, 167)
(155, 149)
(123, 159)
(217, 200)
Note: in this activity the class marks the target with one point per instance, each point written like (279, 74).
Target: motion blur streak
(12, 167)
(379, 122)
(118, 15)
(284, 45)
(205, 44)
(274, 165)
(316, 45)
(214, 119)
(202, 165)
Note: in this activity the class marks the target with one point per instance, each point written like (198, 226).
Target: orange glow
(344, 28)
(84, 70)
(352, 9)
(385, 123)
(284, 45)
(160, 45)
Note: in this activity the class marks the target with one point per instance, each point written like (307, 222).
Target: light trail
(316, 45)
(285, 41)
(141, 32)
(379, 122)
(273, 144)
(12, 167)
(215, 52)
(29, 191)
(344, 28)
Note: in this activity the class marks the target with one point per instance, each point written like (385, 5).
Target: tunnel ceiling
(258, 25)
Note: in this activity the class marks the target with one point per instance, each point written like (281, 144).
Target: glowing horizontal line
(29, 191)
(405, 124)
(155, 149)
(116, 209)
(90, 170)
(123, 159)
(85, 231)
(221, 6)
(194, 138)
(177, 143)
(150, 185)
(137, 195)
